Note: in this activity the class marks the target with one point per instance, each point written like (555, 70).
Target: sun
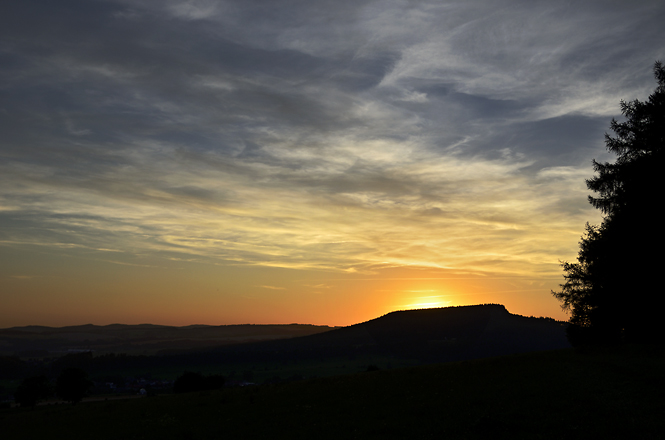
(425, 299)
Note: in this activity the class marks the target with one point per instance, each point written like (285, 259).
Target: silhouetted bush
(32, 390)
(72, 384)
(190, 382)
(214, 382)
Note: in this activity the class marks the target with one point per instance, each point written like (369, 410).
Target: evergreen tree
(614, 290)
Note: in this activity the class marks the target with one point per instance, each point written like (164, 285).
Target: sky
(323, 162)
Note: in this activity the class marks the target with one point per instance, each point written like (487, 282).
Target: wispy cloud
(328, 135)
(272, 287)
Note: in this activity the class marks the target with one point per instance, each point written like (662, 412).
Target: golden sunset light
(331, 219)
(300, 169)
(426, 302)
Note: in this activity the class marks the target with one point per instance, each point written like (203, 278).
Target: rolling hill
(427, 335)
(147, 339)
(288, 352)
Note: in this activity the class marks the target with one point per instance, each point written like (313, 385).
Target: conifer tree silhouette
(614, 290)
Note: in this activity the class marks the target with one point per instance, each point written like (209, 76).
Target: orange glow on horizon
(425, 299)
(92, 292)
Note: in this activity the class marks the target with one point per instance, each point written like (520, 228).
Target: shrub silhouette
(190, 382)
(32, 390)
(72, 385)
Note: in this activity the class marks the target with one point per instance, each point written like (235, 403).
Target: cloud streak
(326, 135)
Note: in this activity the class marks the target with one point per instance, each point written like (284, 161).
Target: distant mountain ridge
(41, 341)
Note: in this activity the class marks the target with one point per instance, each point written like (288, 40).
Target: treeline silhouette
(614, 290)
(71, 385)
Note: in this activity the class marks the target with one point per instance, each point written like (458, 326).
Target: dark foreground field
(602, 393)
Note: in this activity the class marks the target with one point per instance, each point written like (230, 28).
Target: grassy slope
(559, 394)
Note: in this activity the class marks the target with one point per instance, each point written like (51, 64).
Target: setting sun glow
(428, 301)
(323, 166)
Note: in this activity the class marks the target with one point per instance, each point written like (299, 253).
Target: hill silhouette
(396, 339)
(427, 335)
